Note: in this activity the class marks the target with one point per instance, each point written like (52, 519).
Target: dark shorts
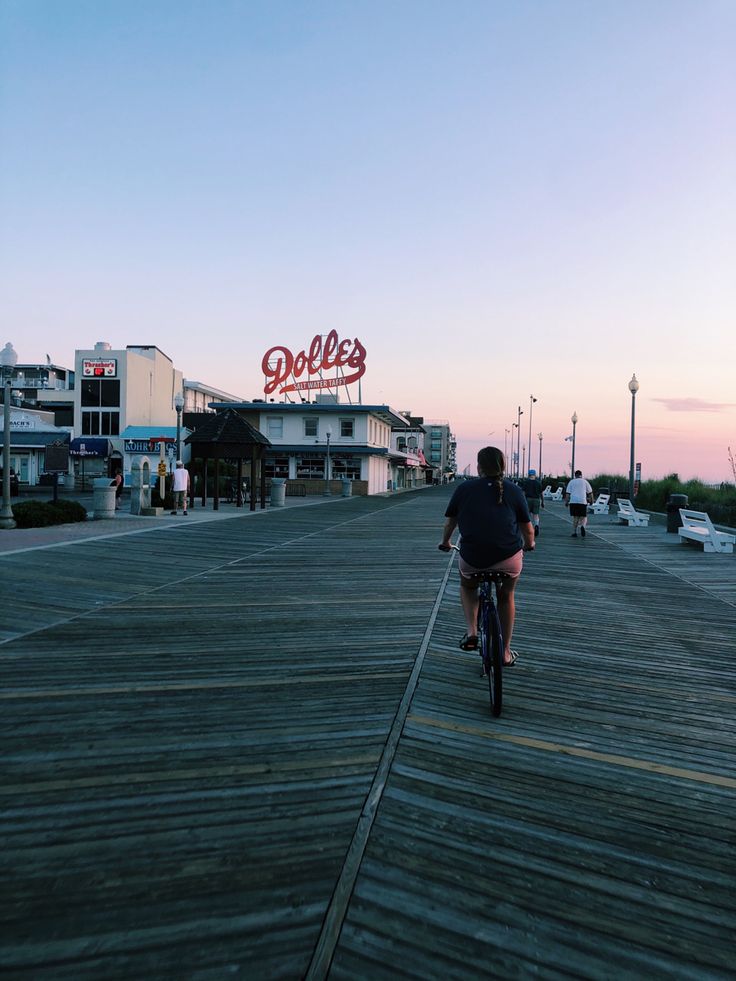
(533, 505)
(578, 510)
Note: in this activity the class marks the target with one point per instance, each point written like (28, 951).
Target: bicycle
(490, 634)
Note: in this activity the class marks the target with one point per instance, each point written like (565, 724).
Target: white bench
(600, 504)
(557, 496)
(547, 492)
(697, 527)
(628, 515)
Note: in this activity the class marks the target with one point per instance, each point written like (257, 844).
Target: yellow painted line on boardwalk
(586, 754)
(291, 678)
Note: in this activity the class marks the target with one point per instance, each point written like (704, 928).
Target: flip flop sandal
(512, 662)
(469, 643)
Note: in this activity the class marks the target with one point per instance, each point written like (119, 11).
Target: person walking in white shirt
(578, 494)
(181, 487)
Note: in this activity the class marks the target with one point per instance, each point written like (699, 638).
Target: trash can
(103, 499)
(674, 521)
(278, 492)
(347, 487)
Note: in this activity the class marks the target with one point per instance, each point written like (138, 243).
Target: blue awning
(90, 446)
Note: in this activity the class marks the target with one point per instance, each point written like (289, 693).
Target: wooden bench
(628, 515)
(697, 527)
(558, 494)
(547, 492)
(600, 504)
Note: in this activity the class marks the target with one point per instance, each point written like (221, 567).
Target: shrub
(70, 510)
(41, 514)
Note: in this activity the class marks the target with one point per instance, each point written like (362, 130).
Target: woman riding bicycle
(495, 528)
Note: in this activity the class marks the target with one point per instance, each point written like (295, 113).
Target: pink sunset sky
(498, 199)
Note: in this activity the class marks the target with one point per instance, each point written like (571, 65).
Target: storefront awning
(83, 446)
(32, 440)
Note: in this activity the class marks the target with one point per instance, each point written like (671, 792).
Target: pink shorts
(511, 566)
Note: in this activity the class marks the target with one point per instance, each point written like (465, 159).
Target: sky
(499, 199)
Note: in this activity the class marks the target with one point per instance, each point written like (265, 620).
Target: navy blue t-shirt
(489, 531)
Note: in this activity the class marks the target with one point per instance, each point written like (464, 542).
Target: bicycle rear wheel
(491, 649)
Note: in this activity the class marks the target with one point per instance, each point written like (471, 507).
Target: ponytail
(492, 463)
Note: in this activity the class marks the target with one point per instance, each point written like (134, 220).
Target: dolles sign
(279, 364)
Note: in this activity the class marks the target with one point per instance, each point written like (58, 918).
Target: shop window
(346, 466)
(311, 427)
(275, 426)
(276, 466)
(310, 465)
(347, 428)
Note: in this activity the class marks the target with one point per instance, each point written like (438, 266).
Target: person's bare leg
(469, 599)
(507, 614)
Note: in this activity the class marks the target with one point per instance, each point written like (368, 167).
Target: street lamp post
(505, 443)
(518, 439)
(540, 455)
(178, 405)
(532, 400)
(8, 360)
(574, 421)
(328, 436)
(633, 388)
(512, 471)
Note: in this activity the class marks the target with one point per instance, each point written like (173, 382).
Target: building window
(100, 424)
(310, 465)
(311, 427)
(100, 392)
(275, 426)
(400, 443)
(346, 466)
(276, 466)
(90, 424)
(347, 428)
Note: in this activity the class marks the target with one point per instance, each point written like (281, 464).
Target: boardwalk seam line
(332, 924)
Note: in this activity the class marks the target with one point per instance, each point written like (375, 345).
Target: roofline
(339, 408)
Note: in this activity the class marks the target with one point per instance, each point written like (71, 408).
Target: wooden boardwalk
(251, 748)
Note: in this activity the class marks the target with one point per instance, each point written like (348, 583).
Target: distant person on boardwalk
(495, 528)
(117, 483)
(578, 494)
(534, 500)
(181, 488)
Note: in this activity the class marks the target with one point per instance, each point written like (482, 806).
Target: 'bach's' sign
(283, 370)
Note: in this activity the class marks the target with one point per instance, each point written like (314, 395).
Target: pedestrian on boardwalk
(181, 488)
(495, 529)
(578, 494)
(117, 483)
(534, 500)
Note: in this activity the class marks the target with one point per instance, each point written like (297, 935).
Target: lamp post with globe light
(633, 388)
(574, 421)
(8, 360)
(179, 406)
(540, 455)
(532, 400)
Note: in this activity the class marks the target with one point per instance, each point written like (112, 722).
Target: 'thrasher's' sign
(283, 370)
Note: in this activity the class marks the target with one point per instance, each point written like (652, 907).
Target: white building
(359, 442)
